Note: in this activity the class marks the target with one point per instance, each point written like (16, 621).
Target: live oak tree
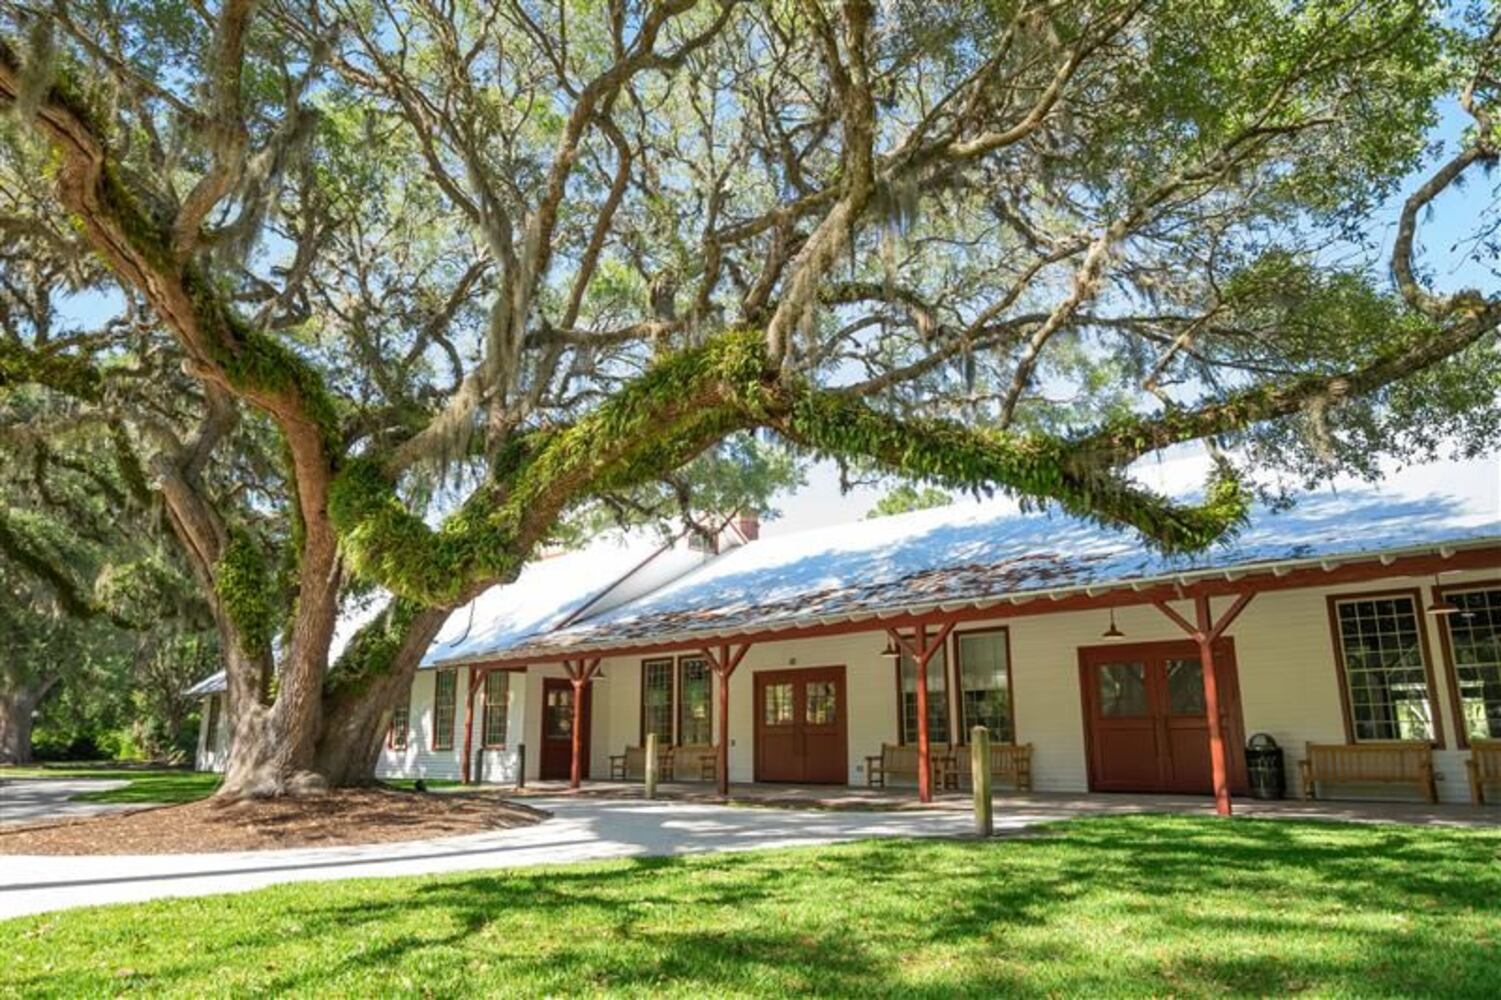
(483, 265)
(85, 597)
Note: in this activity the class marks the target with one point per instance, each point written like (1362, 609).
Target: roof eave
(1232, 573)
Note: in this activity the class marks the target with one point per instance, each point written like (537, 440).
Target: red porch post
(464, 765)
(1206, 631)
(924, 746)
(724, 664)
(921, 652)
(582, 675)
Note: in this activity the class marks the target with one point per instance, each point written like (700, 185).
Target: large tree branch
(224, 125)
(1125, 441)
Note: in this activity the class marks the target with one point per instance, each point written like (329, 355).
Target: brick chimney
(748, 523)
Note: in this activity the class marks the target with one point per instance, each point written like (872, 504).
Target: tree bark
(310, 739)
(355, 722)
(17, 705)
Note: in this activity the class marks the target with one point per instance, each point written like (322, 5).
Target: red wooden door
(1147, 729)
(800, 726)
(557, 729)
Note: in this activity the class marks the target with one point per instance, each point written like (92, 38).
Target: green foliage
(1033, 467)
(243, 583)
(66, 373)
(683, 404)
(372, 651)
(906, 498)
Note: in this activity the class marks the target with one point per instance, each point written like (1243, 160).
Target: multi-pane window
(985, 683)
(445, 705)
(1475, 644)
(777, 707)
(938, 698)
(497, 702)
(1185, 688)
(656, 700)
(1380, 640)
(396, 739)
(1123, 689)
(557, 717)
(821, 703)
(695, 686)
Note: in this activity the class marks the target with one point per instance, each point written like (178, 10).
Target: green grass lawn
(1098, 907)
(147, 784)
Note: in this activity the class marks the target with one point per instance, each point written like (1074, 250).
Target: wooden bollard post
(979, 769)
(651, 765)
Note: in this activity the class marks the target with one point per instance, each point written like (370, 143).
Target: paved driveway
(579, 830)
(31, 800)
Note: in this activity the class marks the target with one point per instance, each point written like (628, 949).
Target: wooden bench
(696, 762)
(1484, 766)
(899, 760)
(1009, 763)
(631, 765)
(1389, 762)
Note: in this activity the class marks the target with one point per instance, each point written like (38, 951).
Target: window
(656, 700)
(821, 703)
(211, 737)
(1185, 688)
(777, 709)
(557, 720)
(1123, 689)
(938, 698)
(497, 702)
(1384, 666)
(695, 721)
(396, 737)
(445, 702)
(985, 683)
(1475, 656)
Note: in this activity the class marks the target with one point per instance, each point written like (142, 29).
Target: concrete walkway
(580, 830)
(37, 800)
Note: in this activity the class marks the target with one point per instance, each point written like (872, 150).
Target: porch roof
(983, 555)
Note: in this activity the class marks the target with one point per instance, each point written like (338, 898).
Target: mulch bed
(345, 816)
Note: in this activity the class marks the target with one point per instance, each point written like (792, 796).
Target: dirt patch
(347, 816)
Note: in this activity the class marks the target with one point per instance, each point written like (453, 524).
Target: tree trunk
(276, 750)
(17, 706)
(355, 722)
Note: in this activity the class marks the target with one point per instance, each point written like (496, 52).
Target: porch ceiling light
(1113, 632)
(891, 652)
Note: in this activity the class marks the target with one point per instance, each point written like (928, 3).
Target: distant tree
(482, 266)
(906, 498)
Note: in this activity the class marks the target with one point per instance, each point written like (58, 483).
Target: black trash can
(1264, 764)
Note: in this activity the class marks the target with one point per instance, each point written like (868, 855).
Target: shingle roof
(961, 555)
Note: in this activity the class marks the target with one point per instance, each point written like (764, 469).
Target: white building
(1365, 616)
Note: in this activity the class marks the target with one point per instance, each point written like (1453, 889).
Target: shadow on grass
(1134, 905)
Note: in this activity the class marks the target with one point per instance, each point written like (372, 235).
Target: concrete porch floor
(1033, 806)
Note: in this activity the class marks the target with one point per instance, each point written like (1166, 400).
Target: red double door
(800, 726)
(1147, 727)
